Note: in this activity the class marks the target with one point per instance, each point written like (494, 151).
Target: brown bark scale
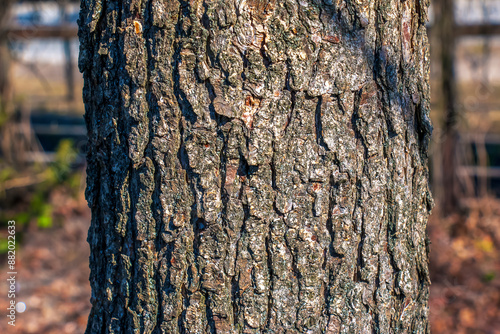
(257, 166)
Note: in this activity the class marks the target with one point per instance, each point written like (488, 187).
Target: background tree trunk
(257, 166)
(446, 25)
(5, 85)
(11, 144)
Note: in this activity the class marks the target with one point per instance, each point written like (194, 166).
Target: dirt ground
(465, 270)
(52, 274)
(465, 264)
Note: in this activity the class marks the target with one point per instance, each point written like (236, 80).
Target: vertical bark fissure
(319, 129)
(270, 273)
(154, 117)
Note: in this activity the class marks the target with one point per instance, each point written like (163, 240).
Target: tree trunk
(257, 166)
(5, 84)
(446, 26)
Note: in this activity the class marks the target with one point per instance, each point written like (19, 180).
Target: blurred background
(42, 165)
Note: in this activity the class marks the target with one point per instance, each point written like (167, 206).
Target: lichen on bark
(257, 166)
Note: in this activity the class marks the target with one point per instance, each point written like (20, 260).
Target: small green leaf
(4, 245)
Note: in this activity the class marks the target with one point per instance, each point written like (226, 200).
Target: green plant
(59, 173)
(65, 156)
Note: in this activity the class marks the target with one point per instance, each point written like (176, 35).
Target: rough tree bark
(257, 166)
(446, 25)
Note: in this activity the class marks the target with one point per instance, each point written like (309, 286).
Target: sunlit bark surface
(257, 166)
